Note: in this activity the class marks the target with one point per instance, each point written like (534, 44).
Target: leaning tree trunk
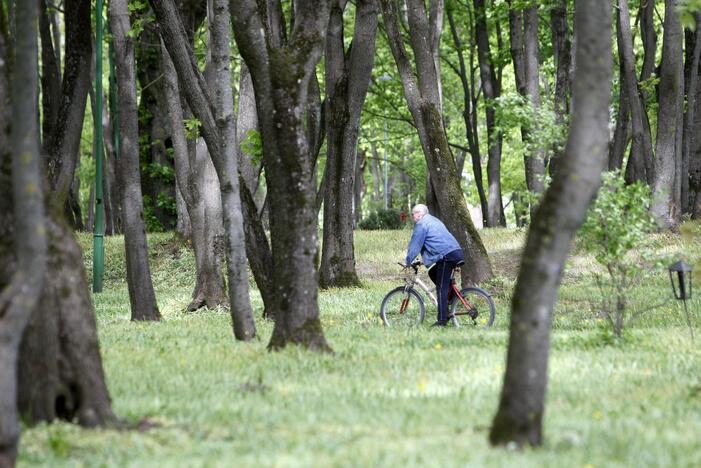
(347, 80)
(665, 208)
(281, 72)
(221, 147)
(492, 90)
(423, 98)
(23, 242)
(621, 134)
(141, 294)
(520, 414)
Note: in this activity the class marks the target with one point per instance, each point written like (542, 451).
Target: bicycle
(404, 305)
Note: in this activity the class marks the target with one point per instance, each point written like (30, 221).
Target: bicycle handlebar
(415, 265)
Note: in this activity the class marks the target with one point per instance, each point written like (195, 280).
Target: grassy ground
(387, 397)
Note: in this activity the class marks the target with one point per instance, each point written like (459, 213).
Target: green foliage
(141, 14)
(616, 226)
(252, 145)
(153, 224)
(383, 219)
(192, 128)
(687, 9)
(160, 171)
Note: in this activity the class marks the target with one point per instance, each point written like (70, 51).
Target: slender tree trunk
(347, 80)
(520, 414)
(422, 96)
(21, 214)
(491, 90)
(50, 75)
(646, 15)
(281, 72)
(664, 206)
(141, 294)
(535, 161)
(227, 170)
(638, 167)
(621, 135)
(691, 81)
(221, 151)
(562, 51)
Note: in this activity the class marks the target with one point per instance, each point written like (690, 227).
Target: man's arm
(416, 242)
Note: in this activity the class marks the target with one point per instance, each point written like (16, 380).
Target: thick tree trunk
(281, 75)
(23, 242)
(220, 146)
(665, 208)
(422, 98)
(200, 189)
(347, 80)
(491, 88)
(65, 142)
(639, 162)
(141, 294)
(520, 414)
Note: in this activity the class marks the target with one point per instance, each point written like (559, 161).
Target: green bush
(616, 226)
(383, 219)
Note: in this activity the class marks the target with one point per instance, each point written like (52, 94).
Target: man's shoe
(439, 323)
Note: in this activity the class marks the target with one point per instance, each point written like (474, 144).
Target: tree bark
(347, 81)
(141, 294)
(522, 404)
(665, 208)
(621, 135)
(65, 142)
(281, 75)
(491, 89)
(562, 52)
(214, 118)
(422, 97)
(639, 162)
(50, 75)
(691, 82)
(21, 214)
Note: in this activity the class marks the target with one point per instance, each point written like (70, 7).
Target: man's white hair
(420, 208)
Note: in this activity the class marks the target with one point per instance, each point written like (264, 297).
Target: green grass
(387, 397)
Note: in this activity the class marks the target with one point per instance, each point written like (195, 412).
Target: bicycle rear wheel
(402, 307)
(478, 311)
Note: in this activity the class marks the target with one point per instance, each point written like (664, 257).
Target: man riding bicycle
(440, 252)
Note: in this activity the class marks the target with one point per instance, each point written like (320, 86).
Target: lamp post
(680, 275)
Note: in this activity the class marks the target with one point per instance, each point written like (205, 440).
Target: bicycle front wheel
(478, 310)
(402, 307)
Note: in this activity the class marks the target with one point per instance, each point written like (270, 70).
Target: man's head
(418, 212)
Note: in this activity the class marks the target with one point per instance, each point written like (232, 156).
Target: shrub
(383, 219)
(616, 225)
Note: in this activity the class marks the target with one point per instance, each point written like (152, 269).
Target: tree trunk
(491, 88)
(422, 96)
(227, 170)
(621, 134)
(347, 80)
(50, 75)
(281, 75)
(535, 161)
(141, 294)
(562, 52)
(23, 243)
(691, 81)
(646, 15)
(220, 146)
(638, 168)
(520, 414)
(664, 207)
(65, 142)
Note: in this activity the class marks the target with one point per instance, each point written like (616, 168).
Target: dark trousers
(440, 275)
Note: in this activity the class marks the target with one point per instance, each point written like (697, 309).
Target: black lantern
(680, 276)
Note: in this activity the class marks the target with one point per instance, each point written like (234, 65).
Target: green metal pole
(98, 240)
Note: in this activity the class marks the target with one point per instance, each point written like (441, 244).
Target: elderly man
(440, 252)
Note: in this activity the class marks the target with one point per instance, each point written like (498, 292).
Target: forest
(203, 204)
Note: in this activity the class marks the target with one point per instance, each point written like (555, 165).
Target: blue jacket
(432, 239)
